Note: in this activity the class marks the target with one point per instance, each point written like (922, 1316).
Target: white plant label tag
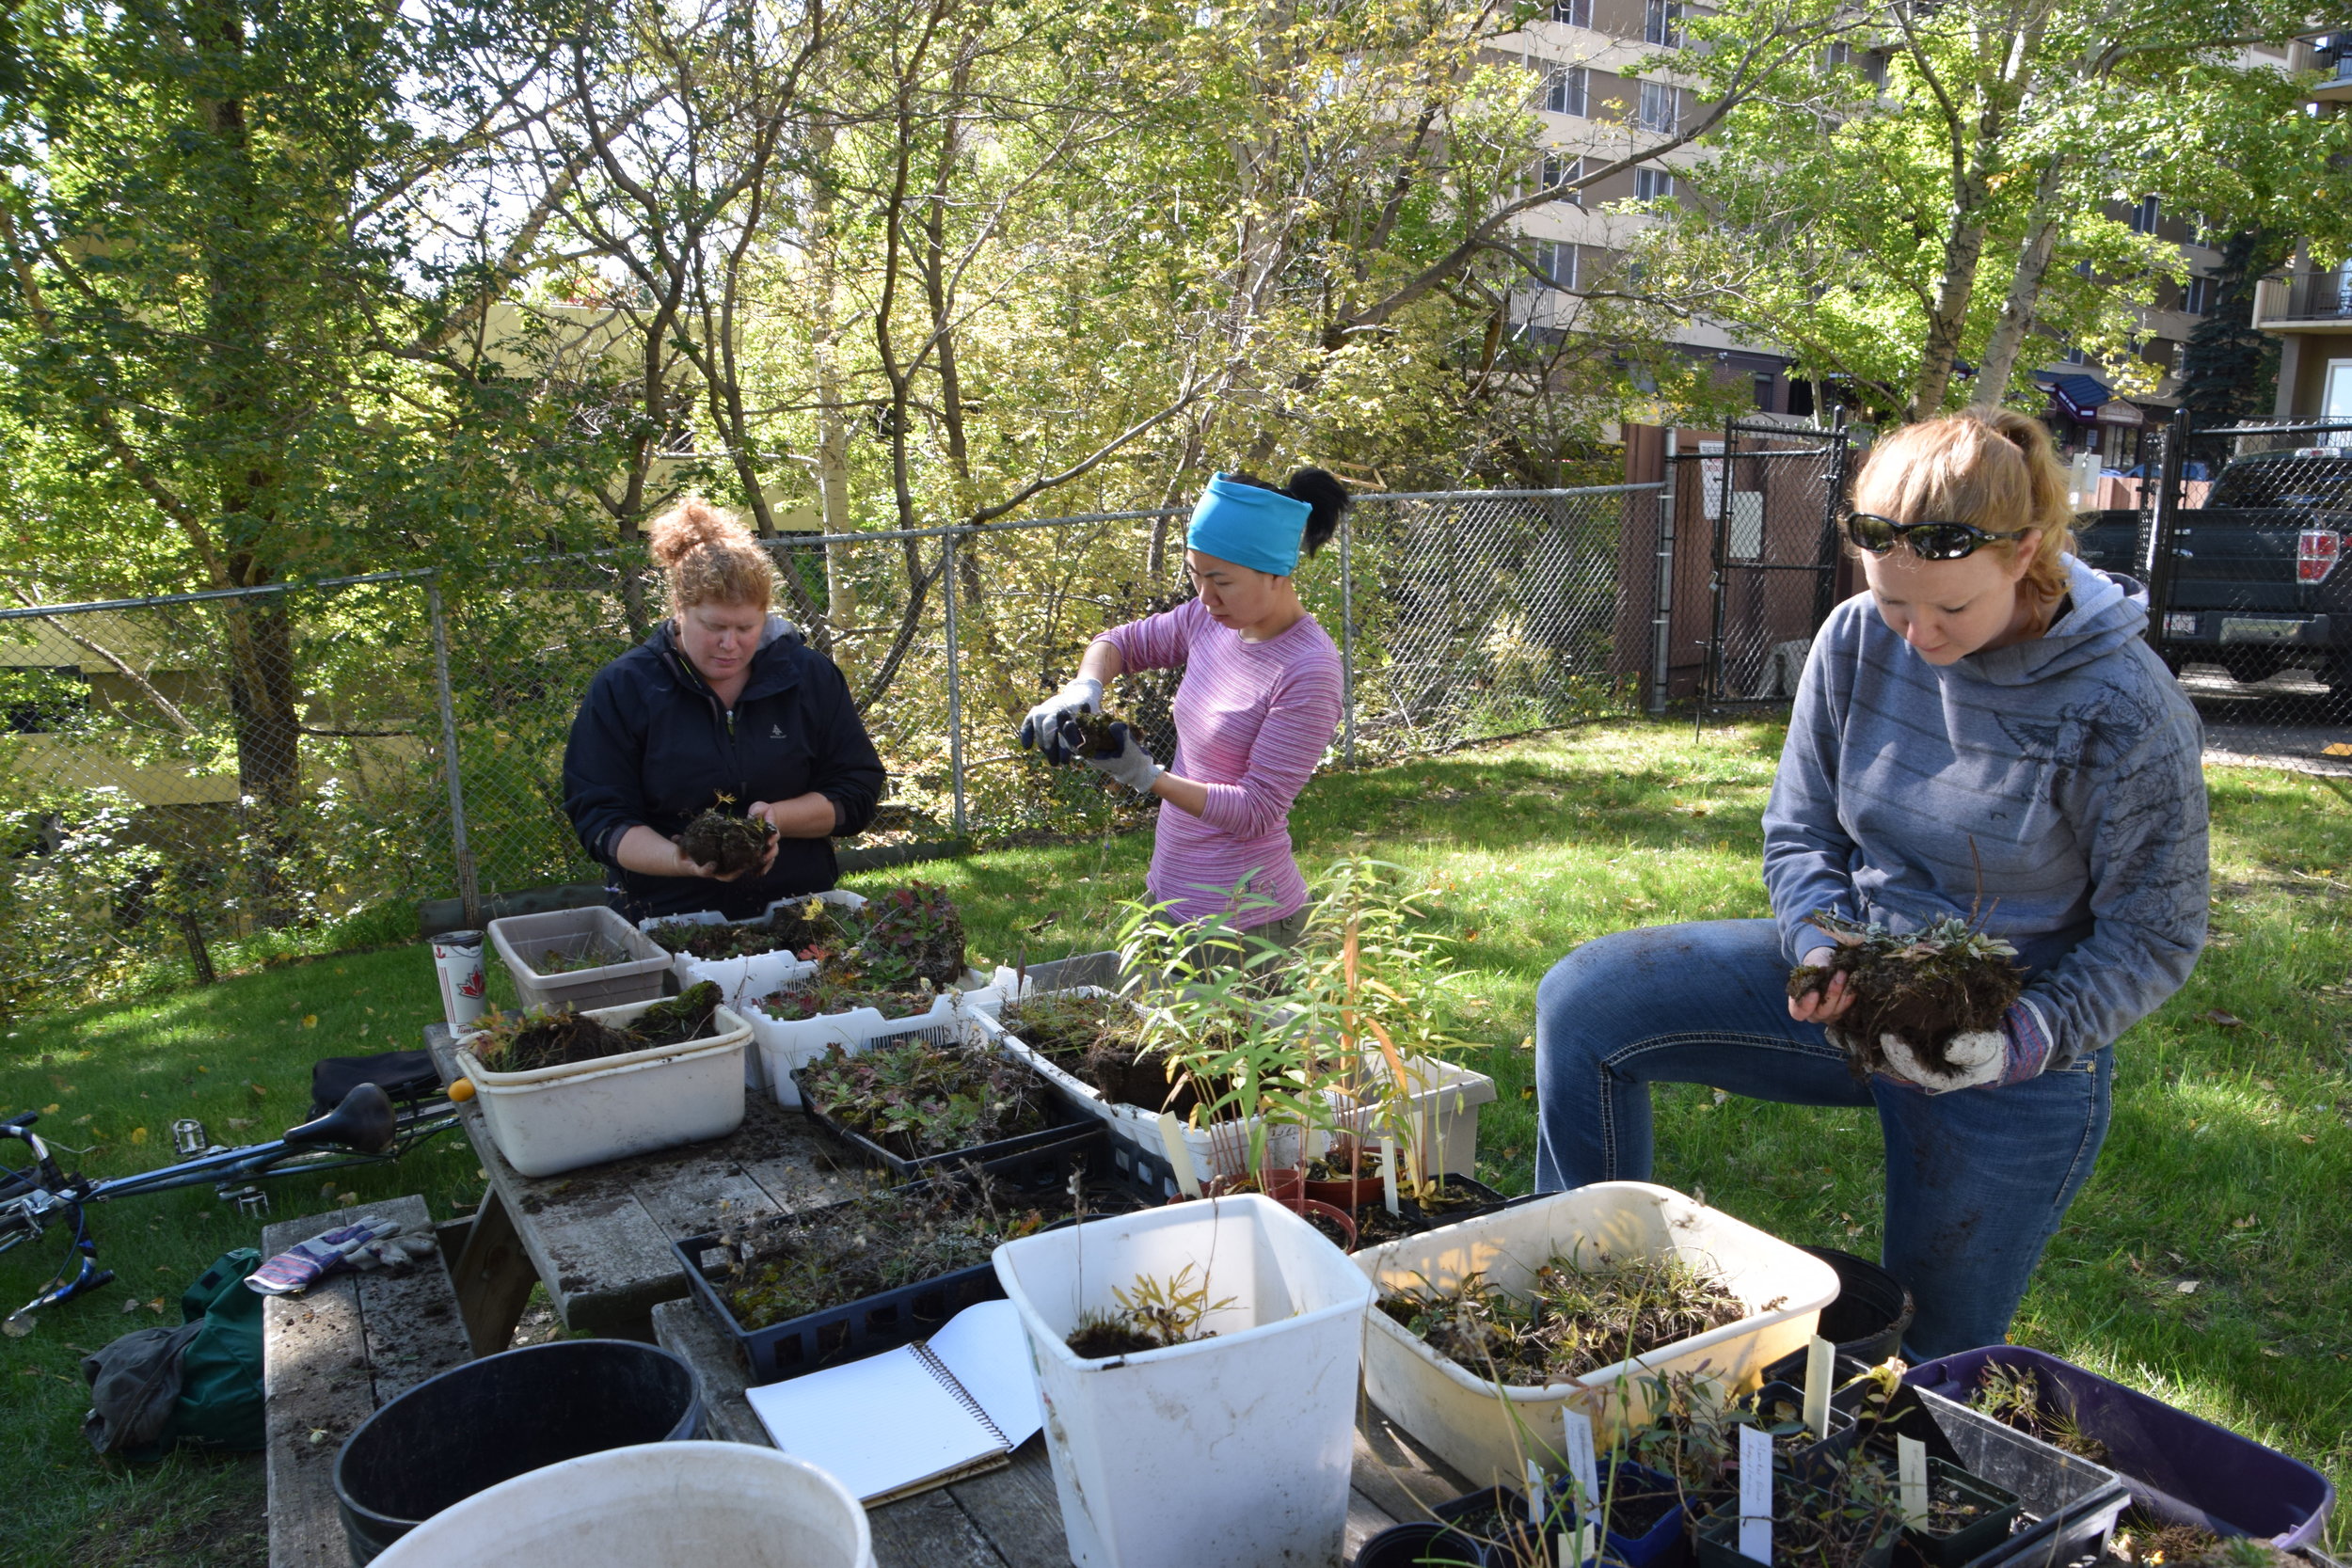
(1388, 1171)
(1756, 1493)
(1577, 1435)
(1179, 1154)
(1910, 1473)
(1535, 1494)
(1818, 1359)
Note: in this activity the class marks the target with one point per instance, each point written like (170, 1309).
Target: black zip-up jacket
(651, 745)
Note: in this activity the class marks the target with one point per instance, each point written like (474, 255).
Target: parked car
(2257, 581)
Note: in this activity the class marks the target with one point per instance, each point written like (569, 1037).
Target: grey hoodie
(2071, 765)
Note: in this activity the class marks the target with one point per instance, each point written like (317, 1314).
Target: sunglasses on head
(1928, 541)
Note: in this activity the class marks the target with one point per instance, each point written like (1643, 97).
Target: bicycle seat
(364, 1122)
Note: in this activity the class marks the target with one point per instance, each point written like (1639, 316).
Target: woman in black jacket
(723, 705)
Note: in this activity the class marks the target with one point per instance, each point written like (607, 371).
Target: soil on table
(790, 1265)
(1099, 1040)
(1581, 1314)
(1925, 987)
(730, 844)
(917, 1098)
(524, 1042)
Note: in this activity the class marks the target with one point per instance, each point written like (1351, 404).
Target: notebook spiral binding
(948, 1381)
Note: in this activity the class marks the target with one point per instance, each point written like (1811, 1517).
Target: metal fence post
(469, 886)
(955, 685)
(1347, 645)
(2163, 515)
(1661, 623)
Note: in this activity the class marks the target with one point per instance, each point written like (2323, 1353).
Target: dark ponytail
(1325, 498)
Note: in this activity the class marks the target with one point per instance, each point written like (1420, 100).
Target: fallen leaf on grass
(139, 1135)
(2188, 1287)
(51, 1110)
(240, 1122)
(130, 1306)
(310, 1021)
(2246, 1224)
(2219, 1019)
(155, 1306)
(2307, 1137)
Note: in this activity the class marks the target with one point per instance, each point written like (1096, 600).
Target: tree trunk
(832, 426)
(2025, 288)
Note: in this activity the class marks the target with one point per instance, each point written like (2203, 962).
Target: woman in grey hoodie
(1983, 731)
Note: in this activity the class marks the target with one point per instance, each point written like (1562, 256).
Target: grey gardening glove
(1131, 765)
(1041, 729)
(2014, 1053)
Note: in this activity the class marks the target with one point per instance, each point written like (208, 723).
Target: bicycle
(365, 1128)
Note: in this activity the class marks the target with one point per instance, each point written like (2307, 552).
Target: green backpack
(220, 1378)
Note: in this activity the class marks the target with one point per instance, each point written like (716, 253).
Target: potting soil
(1093, 732)
(1579, 1317)
(1923, 986)
(730, 844)
(1100, 1041)
(525, 1042)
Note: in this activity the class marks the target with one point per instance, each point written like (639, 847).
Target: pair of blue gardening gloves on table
(1050, 729)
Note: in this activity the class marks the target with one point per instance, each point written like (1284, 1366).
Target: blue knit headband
(1249, 526)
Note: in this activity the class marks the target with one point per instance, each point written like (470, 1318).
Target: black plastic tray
(888, 1319)
(1071, 1128)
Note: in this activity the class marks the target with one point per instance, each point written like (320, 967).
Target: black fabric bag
(407, 1076)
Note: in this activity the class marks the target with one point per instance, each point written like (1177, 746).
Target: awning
(2078, 396)
(2116, 411)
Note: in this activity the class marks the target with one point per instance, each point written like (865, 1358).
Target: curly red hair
(709, 558)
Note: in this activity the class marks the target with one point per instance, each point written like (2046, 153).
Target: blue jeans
(1976, 1180)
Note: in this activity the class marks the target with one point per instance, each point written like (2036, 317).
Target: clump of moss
(1925, 987)
(729, 844)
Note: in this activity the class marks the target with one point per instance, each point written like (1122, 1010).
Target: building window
(1763, 381)
(1662, 22)
(2199, 299)
(1845, 56)
(1661, 108)
(2158, 351)
(2075, 356)
(1557, 261)
(1652, 185)
(1575, 13)
(1563, 91)
(1559, 170)
(2145, 215)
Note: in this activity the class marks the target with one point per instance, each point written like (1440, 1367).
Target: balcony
(2306, 296)
(2336, 88)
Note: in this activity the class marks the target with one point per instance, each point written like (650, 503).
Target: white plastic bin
(524, 941)
(1486, 1432)
(786, 1043)
(560, 1118)
(725, 1505)
(1444, 1095)
(1223, 1152)
(1232, 1449)
(740, 979)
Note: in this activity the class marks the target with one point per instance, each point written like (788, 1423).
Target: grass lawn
(2204, 1263)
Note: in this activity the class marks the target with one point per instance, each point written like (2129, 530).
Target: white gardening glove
(1041, 729)
(2013, 1054)
(1131, 765)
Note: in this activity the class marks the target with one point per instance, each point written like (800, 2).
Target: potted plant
(914, 1104)
(1271, 1324)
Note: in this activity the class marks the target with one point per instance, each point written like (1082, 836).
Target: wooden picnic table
(599, 1240)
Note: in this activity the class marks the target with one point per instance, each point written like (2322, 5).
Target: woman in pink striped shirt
(1256, 709)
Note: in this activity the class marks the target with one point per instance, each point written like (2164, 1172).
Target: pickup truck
(2258, 579)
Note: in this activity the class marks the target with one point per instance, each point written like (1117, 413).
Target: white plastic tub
(1222, 1152)
(524, 941)
(725, 1505)
(1445, 1097)
(553, 1119)
(740, 979)
(1486, 1431)
(1232, 1449)
(786, 1043)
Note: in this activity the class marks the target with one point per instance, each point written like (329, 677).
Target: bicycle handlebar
(19, 1122)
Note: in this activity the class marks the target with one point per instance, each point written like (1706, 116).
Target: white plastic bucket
(728, 1505)
(1235, 1448)
(457, 965)
(1487, 1432)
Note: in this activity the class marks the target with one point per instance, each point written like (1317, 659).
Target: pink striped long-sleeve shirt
(1252, 720)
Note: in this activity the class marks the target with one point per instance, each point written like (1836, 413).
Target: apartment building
(2308, 308)
(1598, 101)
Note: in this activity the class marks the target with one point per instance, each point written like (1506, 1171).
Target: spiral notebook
(917, 1417)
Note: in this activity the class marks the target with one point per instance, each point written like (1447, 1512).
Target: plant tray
(2067, 1505)
(1974, 1538)
(786, 1045)
(1445, 1097)
(887, 1319)
(2179, 1467)
(740, 979)
(522, 940)
(1067, 1126)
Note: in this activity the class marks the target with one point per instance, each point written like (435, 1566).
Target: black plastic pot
(1872, 1308)
(1979, 1535)
(1717, 1542)
(490, 1420)
(1424, 1544)
(1809, 1460)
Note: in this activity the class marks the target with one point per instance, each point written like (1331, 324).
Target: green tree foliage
(2228, 368)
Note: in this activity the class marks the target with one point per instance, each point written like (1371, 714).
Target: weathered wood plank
(685, 1330)
(1018, 1510)
(929, 1532)
(1396, 1475)
(493, 1276)
(317, 1384)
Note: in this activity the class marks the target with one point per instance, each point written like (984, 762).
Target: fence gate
(1770, 495)
(2241, 538)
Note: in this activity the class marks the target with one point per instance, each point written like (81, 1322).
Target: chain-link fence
(2239, 533)
(238, 767)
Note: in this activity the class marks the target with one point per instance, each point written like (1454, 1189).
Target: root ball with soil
(1925, 987)
(729, 844)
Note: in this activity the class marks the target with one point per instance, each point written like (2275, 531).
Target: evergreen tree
(2230, 371)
